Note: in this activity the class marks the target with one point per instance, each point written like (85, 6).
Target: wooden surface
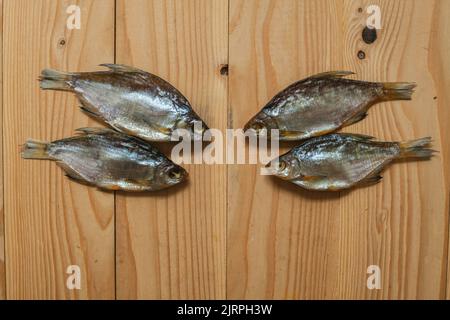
(52, 223)
(287, 243)
(2, 226)
(439, 64)
(172, 244)
(230, 232)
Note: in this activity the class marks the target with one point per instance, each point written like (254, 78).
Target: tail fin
(397, 90)
(34, 149)
(55, 80)
(416, 148)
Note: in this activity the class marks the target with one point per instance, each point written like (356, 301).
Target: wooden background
(228, 233)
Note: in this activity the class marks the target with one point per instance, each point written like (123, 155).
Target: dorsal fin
(120, 67)
(331, 74)
(94, 130)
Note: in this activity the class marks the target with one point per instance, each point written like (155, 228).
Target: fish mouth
(198, 128)
(278, 168)
(176, 174)
(271, 168)
(204, 127)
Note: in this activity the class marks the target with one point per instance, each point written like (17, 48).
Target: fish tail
(56, 80)
(416, 148)
(34, 149)
(397, 90)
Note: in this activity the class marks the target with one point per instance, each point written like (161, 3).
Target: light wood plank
(171, 244)
(405, 218)
(2, 226)
(289, 243)
(439, 64)
(51, 222)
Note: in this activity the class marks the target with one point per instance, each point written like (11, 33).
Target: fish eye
(281, 165)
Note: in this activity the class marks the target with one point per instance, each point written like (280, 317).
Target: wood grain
(2, 226)
(171, 244)
(51, 222)
(439, 64)
(284, 242)
(229, 232)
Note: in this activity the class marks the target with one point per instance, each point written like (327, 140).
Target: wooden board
(439, 64)
(171, 244)
(2, 226)
(287, 243)
(230, 232)
(50, 222)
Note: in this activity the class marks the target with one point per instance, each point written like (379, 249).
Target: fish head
(195, 126)
(172, 174)
(285, 167)
(289, 167)
(261, 122)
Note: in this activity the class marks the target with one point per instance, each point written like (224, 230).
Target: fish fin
(416, 148)
(56, 80)
(130, 185)
(312, 178)
(121, 128)
(331, 74)
(120, 67)
(357, 136)
(397, 90)
(164, 130)
(34, 149)
(291, 135)
(76, 178)
(110, 186)
(358, 117)
(371, 179)
(70, 173)
(94, 130)
(91, 113)
(334, 188)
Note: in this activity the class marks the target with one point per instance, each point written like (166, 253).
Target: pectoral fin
(291, 135)
(163, 130)
(152, 126)
(312, 178)
(124, 184)
(109, 185)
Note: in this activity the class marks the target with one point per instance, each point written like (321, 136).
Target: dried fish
(109, 160)
(324, 103)
(130, 100)
(340, 161)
